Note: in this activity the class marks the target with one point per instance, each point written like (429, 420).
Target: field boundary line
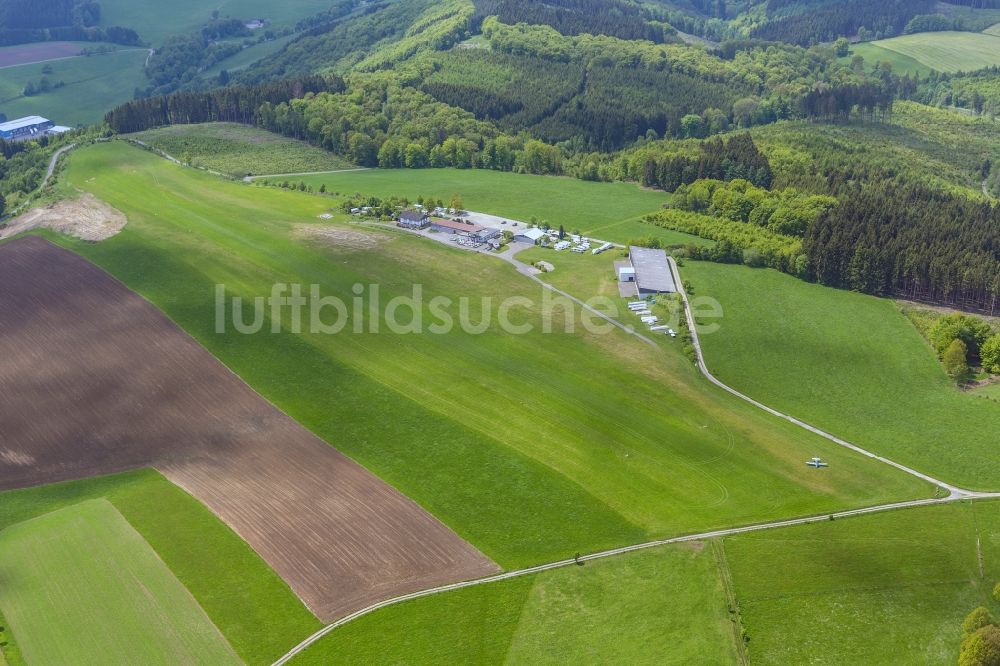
(78, 55)
(250, 179)
(791, 522)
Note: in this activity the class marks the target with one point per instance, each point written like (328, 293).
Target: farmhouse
(529, 236)
(413, 219)
(453, 227)
(651, 271)
(25, 128)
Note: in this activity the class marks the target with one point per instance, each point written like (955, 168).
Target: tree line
(790, 22)
(905, 239)
(724, 160)
(615, 18)
(238, 104)
(26, 21)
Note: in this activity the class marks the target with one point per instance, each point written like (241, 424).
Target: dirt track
(95, 380)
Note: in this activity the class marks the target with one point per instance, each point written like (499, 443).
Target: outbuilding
(531, 236)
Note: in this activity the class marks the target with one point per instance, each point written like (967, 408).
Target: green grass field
(239, 149)
(246, 57)
(888, 588)
(947, 51)
(531, 446)
(662, 606)
(94, 85)
(851, 364)
(875, 54)
(993, 30)
(604, 210)
(82, 586)
(236, 588)
(155, 21)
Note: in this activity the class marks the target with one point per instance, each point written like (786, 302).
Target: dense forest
(615, 18)
(237, 104)
(25, 21)
(904, 239)
(827, 21)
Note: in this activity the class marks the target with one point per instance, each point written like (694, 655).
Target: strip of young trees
(574, 17)
(724, 160)
(238, 104)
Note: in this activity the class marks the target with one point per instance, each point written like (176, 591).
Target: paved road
(291, 654)
(53, 161)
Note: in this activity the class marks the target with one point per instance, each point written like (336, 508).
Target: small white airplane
(817, 463)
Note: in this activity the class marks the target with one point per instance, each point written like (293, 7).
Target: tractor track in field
(955, 493)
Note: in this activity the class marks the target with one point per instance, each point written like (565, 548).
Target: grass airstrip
(604, 210)
(533, 447)
(530, 446)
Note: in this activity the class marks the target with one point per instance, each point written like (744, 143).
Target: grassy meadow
(604, 210)
(155, 21)
(239, 150)
(82, 586)
(531, 446)
(851, 364)
(888, 588)
(947, 51)
(660, 606)
(94, 84)
(875, 54)
(235, 587)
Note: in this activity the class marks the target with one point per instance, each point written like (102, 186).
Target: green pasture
(81, 586)
(155, 21)
(253, 608)
(94, 85)
(661, 606)
(888, 588)
(237, 150)
(851, 364)
(947, 51)
(532, 446)
(604, 210)
(875, 54)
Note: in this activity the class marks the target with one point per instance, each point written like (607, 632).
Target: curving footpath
(955, 494)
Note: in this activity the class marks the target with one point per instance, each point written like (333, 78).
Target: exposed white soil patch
(87, 218)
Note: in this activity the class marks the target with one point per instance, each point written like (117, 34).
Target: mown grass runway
(603, 210)
(531, 446)
(81, 586)
(850, 364)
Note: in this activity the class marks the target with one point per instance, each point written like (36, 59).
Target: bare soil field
(87, 218)
(37, 52)
(95, 380)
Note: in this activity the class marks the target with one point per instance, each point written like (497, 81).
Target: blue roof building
(25, 128)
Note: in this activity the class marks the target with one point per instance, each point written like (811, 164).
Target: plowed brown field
(94, 380)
